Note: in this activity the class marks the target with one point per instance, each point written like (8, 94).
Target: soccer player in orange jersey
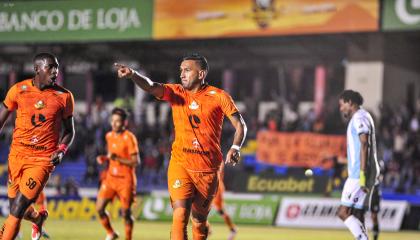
(42, 109)
(218, 204)
(198, 110)
(120, 181)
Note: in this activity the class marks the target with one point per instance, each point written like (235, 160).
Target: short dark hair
(121, 112)
(353, 96)
(201, 60)
(44, 55)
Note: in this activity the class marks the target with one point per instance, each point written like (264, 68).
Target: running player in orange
(218, 204)
(42, 108)
(198, 110)
(120, 181)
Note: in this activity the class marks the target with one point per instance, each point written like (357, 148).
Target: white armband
(236, 147)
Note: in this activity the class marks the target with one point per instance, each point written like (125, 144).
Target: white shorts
(352, 195)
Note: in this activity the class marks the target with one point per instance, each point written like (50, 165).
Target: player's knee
(343, 213)
(180, 215)
(221, 212)
(19, 206)
(201, 227)
(127, 215)
(101, 211)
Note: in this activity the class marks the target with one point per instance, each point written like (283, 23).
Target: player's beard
(186, 84)
(53, 79)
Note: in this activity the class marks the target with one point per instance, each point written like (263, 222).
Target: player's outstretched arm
(154, 88)
(65, 142)
(4, 114)
(234, 153)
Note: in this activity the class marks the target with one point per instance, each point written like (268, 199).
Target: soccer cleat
(112, 236)
(37, 228)
(45, 234)
(232, 234)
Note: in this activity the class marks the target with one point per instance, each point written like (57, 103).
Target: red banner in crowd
(299, 149)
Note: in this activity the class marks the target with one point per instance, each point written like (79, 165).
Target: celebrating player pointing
(198, 111)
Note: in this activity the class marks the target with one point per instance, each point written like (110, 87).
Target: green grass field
(89, 230)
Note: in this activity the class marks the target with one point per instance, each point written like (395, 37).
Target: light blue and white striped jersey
(362, 122)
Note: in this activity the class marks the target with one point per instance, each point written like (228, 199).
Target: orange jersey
(123, 145)
(198, 119)
(39, 115)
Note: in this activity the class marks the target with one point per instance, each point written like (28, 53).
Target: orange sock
(31, 214)
(229, 222)
(128, 231)
(107, 224)
(179, 224)
(11, 227)
(200, 230)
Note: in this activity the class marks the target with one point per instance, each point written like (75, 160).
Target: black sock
(375, 231)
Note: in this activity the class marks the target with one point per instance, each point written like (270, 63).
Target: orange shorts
(218, 202)
(124, 189)
(28, 175)
(200, 186)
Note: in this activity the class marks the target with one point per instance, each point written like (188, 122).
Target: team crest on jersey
(40, 104)
(24, 87)
(177, 184)
(212, 92)
(194, 106)
(59, 92)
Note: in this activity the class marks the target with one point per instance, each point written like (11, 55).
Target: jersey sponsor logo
(39, 105)
(177, 184)
(33, 146)
(195, 151)
(193, 106)
(24, 87)
(195, 143)
(194, 120)
(31, 183)
(38, 119)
